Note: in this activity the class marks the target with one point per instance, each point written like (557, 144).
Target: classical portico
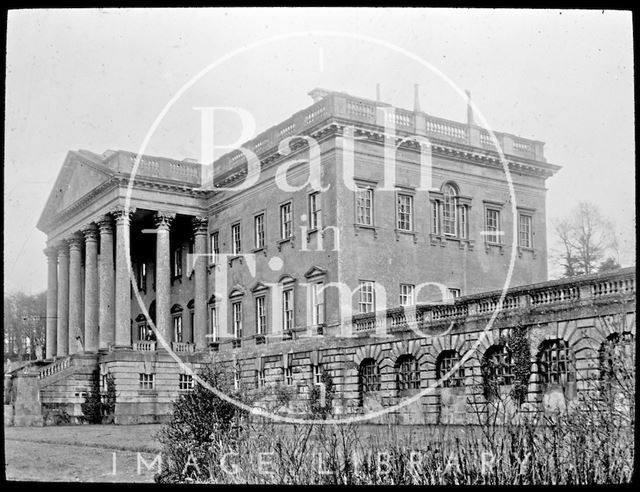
(106, 269)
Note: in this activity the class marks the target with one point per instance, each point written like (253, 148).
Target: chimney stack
(416, 98)
(469, 109)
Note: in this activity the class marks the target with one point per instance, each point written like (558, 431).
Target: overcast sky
(97, 79)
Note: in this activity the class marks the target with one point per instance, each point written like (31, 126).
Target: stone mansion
(147, 254)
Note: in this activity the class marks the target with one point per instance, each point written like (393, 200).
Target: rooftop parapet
(346, 108)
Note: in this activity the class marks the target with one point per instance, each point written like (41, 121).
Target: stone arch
(369, 352)
(176, 308)
(455, 342)
(406, 347)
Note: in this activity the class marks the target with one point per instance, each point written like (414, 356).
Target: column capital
(52, 253)
(90, 232)
(163, 219)
(105, 224)
(199, 224)
(75, 240)
(123, 215)
(63, 247)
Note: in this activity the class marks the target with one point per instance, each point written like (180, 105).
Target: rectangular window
(317, 374)
(236, 309)
(177, 328)
(454, 293)
(317, 303)
(146, 381)
(236, 243)
(449, 216)
(407, 297)
(367, 297)
(287, 310)
(186, 382)
(435, 217)
(261, 316)
(177, 262)
(405, 212)
(258, 223)
(214, 247)
(525, 239)
(261, 378)
(492, 226)
(142, 276)
(236, 377)
(286, 229)
(463, 226)
(288, 376)
(214, 326)
(364, 206)
(314, 211)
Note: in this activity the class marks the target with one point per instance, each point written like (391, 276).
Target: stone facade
(172, 261)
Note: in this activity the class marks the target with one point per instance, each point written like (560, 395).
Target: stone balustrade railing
(144, 346)
(183, 347)
(547, 294)
(54, 368)
(345, 107)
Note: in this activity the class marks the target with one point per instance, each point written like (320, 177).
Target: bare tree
(586, 237)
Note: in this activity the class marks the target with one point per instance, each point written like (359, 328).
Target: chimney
(469, 109)
(416, 98)
(378, 92)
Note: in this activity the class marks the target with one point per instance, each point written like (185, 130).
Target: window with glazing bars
(261, 316)
(498, 366)
(236, 308)
(369, 376)
(367, 299)
(525, 239)
(186, 382)
(446, 362)
(146, 381)
(405, 212)
(287, 310)
(259, 231)
(286, 229)
(557, 364)
(407, 373)
(492, 226)
(314, 211)
(236, 241)
(364, 206)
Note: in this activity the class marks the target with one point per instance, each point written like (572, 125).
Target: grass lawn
(80, 453)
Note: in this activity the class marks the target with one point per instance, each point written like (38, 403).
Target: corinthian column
(62, 342)
(75, 293)
(52, 301)
(199, 329)
(91, 288)
(123, 279)
(106, 288)
(163, 275)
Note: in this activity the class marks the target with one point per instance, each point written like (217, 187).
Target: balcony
(183, 347)
(144, 346)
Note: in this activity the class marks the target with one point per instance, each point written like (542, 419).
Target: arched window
(617, 356)
(497, 366)
(368, 377)
(556, 362)
(449, 215)
(407, 373)
(447, 360)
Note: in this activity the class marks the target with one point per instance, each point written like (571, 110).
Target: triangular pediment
(314, 271)
(80, 175)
